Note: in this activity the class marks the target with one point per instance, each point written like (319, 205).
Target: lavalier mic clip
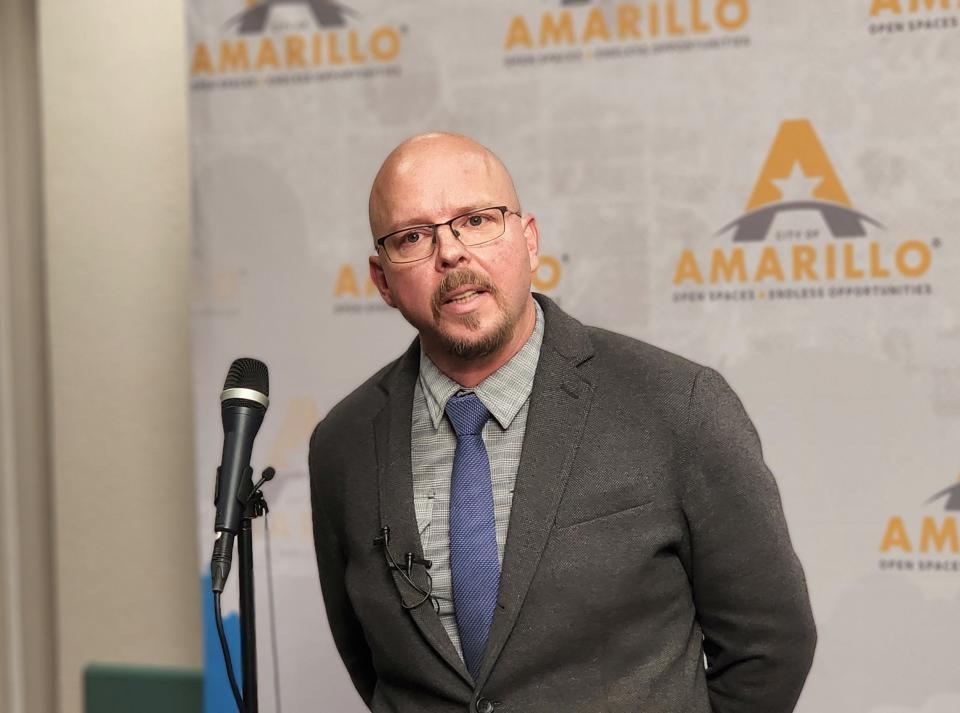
(406, 572)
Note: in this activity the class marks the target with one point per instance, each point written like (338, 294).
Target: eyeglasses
(418, 242)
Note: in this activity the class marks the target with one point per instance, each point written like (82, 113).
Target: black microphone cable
(406, 571)
(226, 653)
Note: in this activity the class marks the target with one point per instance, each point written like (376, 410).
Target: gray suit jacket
(646, 534)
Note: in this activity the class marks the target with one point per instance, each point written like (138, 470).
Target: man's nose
(450, 251)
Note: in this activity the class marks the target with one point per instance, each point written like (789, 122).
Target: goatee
(482, 345)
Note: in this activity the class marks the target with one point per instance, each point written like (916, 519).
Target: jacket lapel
(559, 404)
(392, 427)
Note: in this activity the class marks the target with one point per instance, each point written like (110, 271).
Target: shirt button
(484, 705)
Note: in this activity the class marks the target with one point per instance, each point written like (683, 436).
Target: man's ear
(531, 233)
(379, 279)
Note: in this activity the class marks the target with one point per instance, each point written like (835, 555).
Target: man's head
(466, 302)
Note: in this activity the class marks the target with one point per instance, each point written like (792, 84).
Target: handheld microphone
(243, 403)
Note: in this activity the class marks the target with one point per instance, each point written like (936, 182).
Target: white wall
(117, 263)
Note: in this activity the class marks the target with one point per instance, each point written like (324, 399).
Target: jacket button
(484, 705)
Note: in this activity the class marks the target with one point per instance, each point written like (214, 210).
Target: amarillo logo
(796, 185)
(254, 19)
(258, 42)
(894, 16)
(349, 287)
(797, 149)
(910, 546)
(622, 28)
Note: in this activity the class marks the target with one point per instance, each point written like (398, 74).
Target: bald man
(525, 514)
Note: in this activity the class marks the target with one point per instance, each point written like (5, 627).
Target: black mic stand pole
(254, 506)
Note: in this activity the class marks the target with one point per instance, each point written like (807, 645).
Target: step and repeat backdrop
(769, 188)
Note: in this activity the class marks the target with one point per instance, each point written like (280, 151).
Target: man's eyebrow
(418, 221)
(411, 223)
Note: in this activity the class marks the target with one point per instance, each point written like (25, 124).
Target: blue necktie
(474, 563)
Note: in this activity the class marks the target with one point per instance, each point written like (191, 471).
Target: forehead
(436, 184)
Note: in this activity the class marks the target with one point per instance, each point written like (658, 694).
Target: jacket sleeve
(331, 563)
(748, 586)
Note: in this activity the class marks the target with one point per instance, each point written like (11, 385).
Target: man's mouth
(461, 292)
(462, 295)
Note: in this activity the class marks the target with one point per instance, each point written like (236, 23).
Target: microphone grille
(246, 373)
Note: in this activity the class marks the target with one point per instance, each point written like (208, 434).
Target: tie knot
(467, 414)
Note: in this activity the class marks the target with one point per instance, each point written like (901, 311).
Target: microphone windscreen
(246, 373)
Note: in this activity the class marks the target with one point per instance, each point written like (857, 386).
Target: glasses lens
(410, 244)
(481, 226)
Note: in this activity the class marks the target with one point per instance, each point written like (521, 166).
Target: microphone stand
(255, 505)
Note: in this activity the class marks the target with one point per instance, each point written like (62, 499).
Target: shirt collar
(504, 392)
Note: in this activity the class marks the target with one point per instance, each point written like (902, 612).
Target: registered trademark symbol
(564, 258)
(936, 242)
(403, 29)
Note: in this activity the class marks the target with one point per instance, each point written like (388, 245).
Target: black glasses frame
(504, 210)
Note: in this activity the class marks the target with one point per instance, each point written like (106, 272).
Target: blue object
(474, 562)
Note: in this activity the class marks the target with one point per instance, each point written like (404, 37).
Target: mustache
(454, 280)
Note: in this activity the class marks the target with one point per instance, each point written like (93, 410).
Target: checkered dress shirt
(506, 394)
